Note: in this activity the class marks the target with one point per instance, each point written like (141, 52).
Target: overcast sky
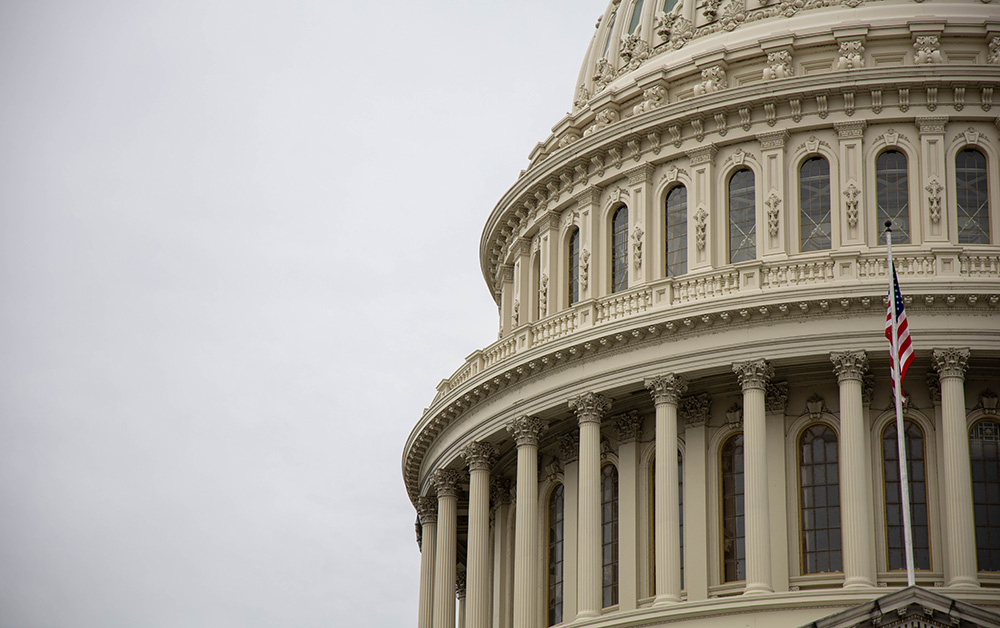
(239, 250)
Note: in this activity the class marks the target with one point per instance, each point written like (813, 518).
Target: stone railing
(707, 286)
(624, 304)
(554, 327)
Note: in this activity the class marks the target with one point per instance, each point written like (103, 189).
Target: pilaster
(694, 411)
(932, 195)
(569, 451)
(774, 225)
(503, 567)
(703, 209)
(628, 427)
(852, 194)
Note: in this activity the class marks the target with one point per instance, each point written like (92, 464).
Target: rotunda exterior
(693, 265)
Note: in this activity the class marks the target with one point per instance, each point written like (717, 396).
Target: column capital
(628, 426)
(479, 456)
(753, 374)
(500, 491)
(460, 584)
(446, 482)
(694, 409)
(950, 362)
(776, 396)
(427, 509)
(666, 388)
(525, 430)
(849, 365)
(569, 447)
(589, 407)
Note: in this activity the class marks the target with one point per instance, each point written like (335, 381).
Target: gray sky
(238, 250)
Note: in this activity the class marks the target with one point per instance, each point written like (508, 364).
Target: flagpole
(904, 479)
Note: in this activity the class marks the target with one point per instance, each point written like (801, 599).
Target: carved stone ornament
(733, 15)
(633, 51)
(543, 296)
(753, 374)
(971, 135)
(934, 387)
(606, 117)
(988, 401)
(890, 137)
(460, 584)
(553, 469)
(584, 267)
(950, 362)
(427, 509)
(849, 365)
(652, 97)
(867, 389)
(568, 139)
(479, 456)
(604, 74)
(779, 65)
(776, 397)
(569, 447)
(590, 407)
(815, 405)
(666, 388)
(993, 58)
(772, 203)
(850, 55)
(934, 199)
(928, 50)
(582, 96)
(628, 427)
(637, 234)
(525, 430)
(694, 409)
(500, 491)
(713, 79)
(851, 206)
(700, 228)
(674, 29)
(515, 313)
(734, 416)
(446, 482)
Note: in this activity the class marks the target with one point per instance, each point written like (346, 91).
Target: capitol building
(687, 416)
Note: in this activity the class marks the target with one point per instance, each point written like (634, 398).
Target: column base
(964, 582)
(666, 600)
(757, 588)
(858, 583)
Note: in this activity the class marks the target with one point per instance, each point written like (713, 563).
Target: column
(628, 428)
(855, 471)
(479, 456)
(753, 377)
(427, 507)
(525, 431)
(589, 408)
(502, 573)
(446, 482)
(694, 411)
(666, 391)
(569, 450)
(959, 524)
(460, 579)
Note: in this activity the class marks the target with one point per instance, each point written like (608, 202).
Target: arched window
(814, 204)
(676, 231)
(668, 5)
(555, 558)
(573, 267)
(973, 197)
(819, 492)
(619, 250)
(652, 517)
(984, 453)
(894, 501)
(742, 217)
(609, 534)
(734, 552)
(892, 196)
(636, 17)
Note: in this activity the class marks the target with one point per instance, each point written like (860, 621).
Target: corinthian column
(589, 408)
(855, 471)
(446, 481)
(460, 595)
(427, 508)
(479, 457)
(961, 542)
(666, 390)
(525, 431)
(753, 377)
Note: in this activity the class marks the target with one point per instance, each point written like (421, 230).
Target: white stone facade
(609, 355)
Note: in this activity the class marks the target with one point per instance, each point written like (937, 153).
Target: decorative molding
(815, 405)
(427, 509)
(460, 584)
(605, 118)
(628, 427)
(779, 65)
(525, 430)
(500, 491)
(713, 79)
(988, 402)
(850, 55)
(993, 56)
(772, 139)
(849, 365)
(584, 267)
(928, 50)
(734, 416)
(652, 97)
(776, 397)
(851, 129)
(553, 469)
(569, 447)
(446, 482)
(867, 389)
(700, 228)
(633, 51)
(753, 374)
(950, 362)
(479, 456)
(641, 174)
(971, 135)
(702, 155)
(637, 234)
(934, 199)
(929, 125)
(589, 407)
(666, 388)
(851, 205)
(515, 313)
(773, 203)
(694, 409)
(934, 387)
(891, 138)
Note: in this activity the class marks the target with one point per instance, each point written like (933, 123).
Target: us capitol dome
(692, 271)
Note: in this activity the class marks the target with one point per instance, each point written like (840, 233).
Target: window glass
(619, 250)
(555, 558)
(734, 551)
(984, 454)
(973, 197)
(636, 17)
(894, 500)
(819, 494)
(892, 196)
(611, 27)
(814, 203)
(573, 280)
(742, 217)
(609, 534)
(677, 231)
(668, 5)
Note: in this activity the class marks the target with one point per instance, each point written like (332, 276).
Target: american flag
(905, 354)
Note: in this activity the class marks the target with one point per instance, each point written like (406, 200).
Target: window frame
(752, 212)
(613, 252)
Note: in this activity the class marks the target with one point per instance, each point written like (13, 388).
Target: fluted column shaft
(753, 378)
(958, 510)
(427, 507)
(503, 577)
(666, 390)
(525, 431)
(855, 471)
(460, 584)
(446, 482)
(479, 457)
(589, 408)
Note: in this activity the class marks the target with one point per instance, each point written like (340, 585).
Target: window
(609, 534)
(652, 518)
(894, 500)
(573, 280)
(619, 250)
(984, 453)
(676, 231)
(973, 197)
(668, 5)
(734, 553)
(814, 204)
(555, 558)
(611, 28)
(636, 17)
(892, 196)
(819, 494)
(742, 217)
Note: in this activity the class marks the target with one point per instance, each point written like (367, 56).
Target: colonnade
(485, 578)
